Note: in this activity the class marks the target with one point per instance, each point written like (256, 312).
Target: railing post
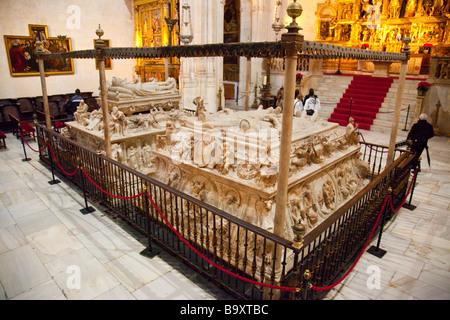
(398, 101)
(48, 121)
(99, 46)
(247, 83)
(290, 42)
(306, 284)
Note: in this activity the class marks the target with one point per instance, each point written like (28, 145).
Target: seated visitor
(72, 104)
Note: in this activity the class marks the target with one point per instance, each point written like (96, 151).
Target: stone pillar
(291, 42)
(398, 102)
(48, 121)
(247, 83)
(99, 46)
(418, 109)
(203, 76)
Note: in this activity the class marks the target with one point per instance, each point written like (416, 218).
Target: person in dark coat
(419, 135)
(72, 104)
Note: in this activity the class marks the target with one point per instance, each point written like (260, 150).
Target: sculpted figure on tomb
(307, 206)
(119, 122)
(328, 197)
(133, 157)
(146, 154)
(95, 121)
(117, 152)
(199, 106)
(120, 88)
(227, 159)
(174, 178)
(82, 115)
(351, 132)
(301, 156)
(146, 121)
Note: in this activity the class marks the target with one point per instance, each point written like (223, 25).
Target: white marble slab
(54, 242)
(21, 270)
(11, 237)
(171, 286)
(110, 243)
(117, 293)
(37, 221)
(418, 289)
(94, 277)
(135, 271)
(46, 291)
(80, 224)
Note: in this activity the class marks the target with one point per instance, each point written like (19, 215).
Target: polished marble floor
(49, 250)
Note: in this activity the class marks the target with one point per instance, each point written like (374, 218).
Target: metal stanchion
(409, 205)
(376, 250)
(53, 181)
(23, 145)
(87, 209)
(406, 121)
(350, 112)
(148, 252)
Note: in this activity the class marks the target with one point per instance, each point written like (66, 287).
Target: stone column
(99, 46)
(291, 42)
(48, 121)
(248, 79)
(398, 102)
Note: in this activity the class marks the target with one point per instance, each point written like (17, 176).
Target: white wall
(115, 17)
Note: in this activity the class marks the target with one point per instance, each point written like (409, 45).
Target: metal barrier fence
(233, 253)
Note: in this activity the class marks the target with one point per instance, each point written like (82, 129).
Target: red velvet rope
(109, 194)
(234, 274)
(69, 174)
(407, 194)
(360, 254)
(212, 262)
(23, 139)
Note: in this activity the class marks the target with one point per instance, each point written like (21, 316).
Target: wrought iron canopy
(315, 50)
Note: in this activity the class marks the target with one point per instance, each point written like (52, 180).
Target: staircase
(330, 90)
(385, 116)
(367, 94)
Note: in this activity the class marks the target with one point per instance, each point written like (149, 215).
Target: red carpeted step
(367, 94)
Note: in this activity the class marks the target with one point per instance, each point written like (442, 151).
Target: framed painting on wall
(22, 57)
(108, 61)
(38, 32)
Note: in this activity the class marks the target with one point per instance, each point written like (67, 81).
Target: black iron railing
(230, 252)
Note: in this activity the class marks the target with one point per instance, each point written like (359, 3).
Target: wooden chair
(11, 122)
(28, 130)
(26, 107)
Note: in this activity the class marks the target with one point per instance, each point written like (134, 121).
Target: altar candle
(265, 80)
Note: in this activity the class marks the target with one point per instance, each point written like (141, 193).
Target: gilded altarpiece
(382, 24)
(152, 31)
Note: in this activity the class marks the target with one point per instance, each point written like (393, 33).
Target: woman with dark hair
(311, 103)
(310, 94)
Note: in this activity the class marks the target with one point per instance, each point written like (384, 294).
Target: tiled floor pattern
(49, 250)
